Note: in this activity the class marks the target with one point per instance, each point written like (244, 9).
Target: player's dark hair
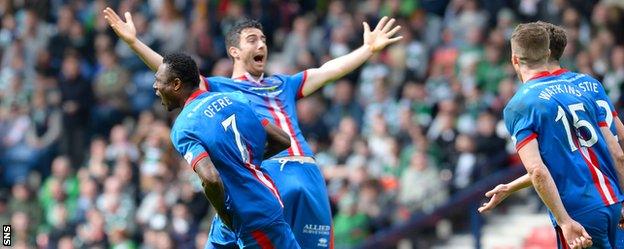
(530, 42)
(232, 38)
(182, 66)
(558, 40)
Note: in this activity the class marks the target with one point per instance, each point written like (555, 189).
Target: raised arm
(374, 41)
(277, 140)
(213, 187)
(542, 181)
(127, 32)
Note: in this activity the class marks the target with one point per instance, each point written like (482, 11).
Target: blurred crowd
(85, 156)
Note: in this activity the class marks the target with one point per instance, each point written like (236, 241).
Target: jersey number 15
(580, 123)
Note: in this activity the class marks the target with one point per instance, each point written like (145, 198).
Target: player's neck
(553, 66)
(527, 73)
(242, 73)
(187, 95)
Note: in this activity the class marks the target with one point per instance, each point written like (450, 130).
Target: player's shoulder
(218, 80)
(523, 100)
(284, 77)
(576, 76)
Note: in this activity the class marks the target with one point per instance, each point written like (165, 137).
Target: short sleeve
(294, 84)
(606, 111)
(189, 146)
(521, 124)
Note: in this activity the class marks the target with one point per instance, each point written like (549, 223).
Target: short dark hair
(530, 43)
(558, 39)
(182, 66)
(232, 38)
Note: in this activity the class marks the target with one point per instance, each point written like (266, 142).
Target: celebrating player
(274, 97)
(578, 157)
(223, 140)
(592, 87)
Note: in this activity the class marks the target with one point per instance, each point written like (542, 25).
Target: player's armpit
(277, 139)
(213, 187)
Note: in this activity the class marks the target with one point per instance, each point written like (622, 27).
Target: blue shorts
(306, 206)
(602, 225)
(275, 235)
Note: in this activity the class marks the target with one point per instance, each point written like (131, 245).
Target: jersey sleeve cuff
(603, 124)
(303, 80)
(265, 122)
(199, 157)
(614, 113)
(525, 141)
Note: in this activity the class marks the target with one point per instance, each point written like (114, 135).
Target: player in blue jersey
(593, 88)
(554, 125)
(223, 140)
(306, 202)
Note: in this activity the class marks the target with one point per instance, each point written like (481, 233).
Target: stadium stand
(85, 156)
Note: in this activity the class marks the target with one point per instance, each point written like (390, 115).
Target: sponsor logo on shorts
(316, 229)
(322, 242)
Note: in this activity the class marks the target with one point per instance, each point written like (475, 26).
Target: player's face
(252, 51)
(164, 88)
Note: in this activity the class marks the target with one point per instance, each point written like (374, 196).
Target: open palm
(497, 195)
(381, 36)
(125, 30)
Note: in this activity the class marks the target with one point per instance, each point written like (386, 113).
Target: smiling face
(165, 87)
(251, 52)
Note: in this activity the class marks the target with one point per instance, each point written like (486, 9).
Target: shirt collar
(541, 74)
(248, 77)
(193, 96)
(560, 71)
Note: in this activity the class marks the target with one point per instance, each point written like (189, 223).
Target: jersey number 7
(231, 122)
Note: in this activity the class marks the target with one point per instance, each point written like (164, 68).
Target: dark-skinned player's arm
(277, 139)
(213, 187)
(127, 32)
(573, 232)
(374, 41)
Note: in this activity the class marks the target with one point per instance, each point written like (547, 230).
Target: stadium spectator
(76, 99)
(110, 92)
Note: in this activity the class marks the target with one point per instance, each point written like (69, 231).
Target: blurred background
(408, 143)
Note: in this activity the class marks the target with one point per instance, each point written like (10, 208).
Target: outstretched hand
(125, 30)
(497, 195)
(380, 37)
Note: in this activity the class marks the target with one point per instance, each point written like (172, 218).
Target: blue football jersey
(223, 127)
(565, 121)
(273, 98)
(594, 89)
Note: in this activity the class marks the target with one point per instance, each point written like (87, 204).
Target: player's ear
(177, 84)
(234, 52)
(515, 60)
(549, 53)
